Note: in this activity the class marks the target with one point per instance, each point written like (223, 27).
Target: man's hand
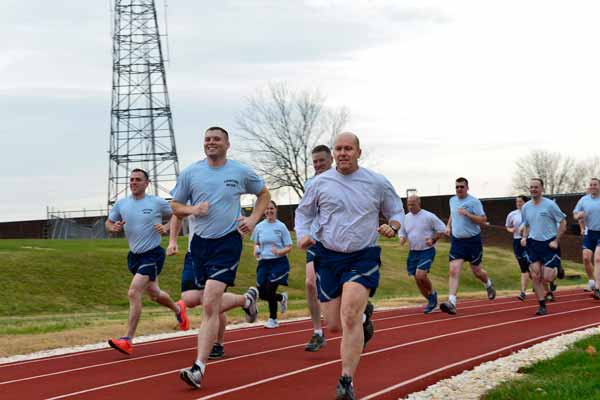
(523, 242)
(429, 242)
(246, 225)
(553, 244)
(172, 249)
(402, 240)
(579, 215)
(386, 230)
(448, 231)
(305, 242)
(463, 212)
(201, 210)
(162, 229)
(117, 227)
(275, 250)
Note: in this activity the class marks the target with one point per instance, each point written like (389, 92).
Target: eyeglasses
(460, 186)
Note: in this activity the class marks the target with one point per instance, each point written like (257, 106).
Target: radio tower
(141, 130)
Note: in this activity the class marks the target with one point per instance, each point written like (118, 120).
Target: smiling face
(346, 152)
(271, 212)
(138, 183)
(322, 161)
(216, 144)
(536, 189)
(594, 187)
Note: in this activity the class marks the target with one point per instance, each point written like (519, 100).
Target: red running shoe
(123, 345)
(184, 322)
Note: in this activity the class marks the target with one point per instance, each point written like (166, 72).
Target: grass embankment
(63, 292)
(571, 375)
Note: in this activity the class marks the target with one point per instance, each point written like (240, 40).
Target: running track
(409, 352)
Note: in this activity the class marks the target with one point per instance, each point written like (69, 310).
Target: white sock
(364, 318)
(591, 283)
(201, 365)
(452, 299)
(319, 332)
(488, 283)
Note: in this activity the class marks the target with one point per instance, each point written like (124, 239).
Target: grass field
(68, 286)
(573, 375)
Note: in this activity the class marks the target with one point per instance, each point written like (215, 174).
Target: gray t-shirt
(419, 227)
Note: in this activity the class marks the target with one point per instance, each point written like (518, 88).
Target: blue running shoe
(432, 304)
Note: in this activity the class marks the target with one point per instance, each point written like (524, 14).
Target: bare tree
(281, 127)
(561, 174)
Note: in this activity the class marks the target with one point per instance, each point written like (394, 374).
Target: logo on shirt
(147, 211)
(231, 183)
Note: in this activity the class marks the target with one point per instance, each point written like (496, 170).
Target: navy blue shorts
(188, 276)
(591, 240)
(274, 270)
(521, 255)
(310, 254)
(149, 263)
(467, 249)
(419, 259)
(333, 269)
(216, 259)
(540, 251)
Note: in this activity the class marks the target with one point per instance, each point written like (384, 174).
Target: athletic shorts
(540, 251)
(521, 255)
(467, 249)
(310, 254)
(274, 270)
(188, 275)
(216, 259)
(419, 259)
(149, 263)
(591, 240)
(333, 269)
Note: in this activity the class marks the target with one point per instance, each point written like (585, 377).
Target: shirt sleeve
(478, 208)
(165, 208)
(253, 184)
(182, 191)
(403, 233)
(524, 221)
(509, 221)
(556, 212)
(438, 225)
(392, 207)
(287, 238)
(115, 213)
(579, 206)
(306, 212)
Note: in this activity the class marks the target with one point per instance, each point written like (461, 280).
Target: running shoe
(283, 303)
(491, 292)
(550, 296)
(218, 351)
(316, 342)
(344, 389)
(448, 308)
(184, 322)
(597, 294)
(192, 376)
(252, 309)
(368, 327)
(432, 304)
(522, 296)
(590, 287)
(552, 285)
(271, 323)
(541, 311)
(122, 345)
(560, 272)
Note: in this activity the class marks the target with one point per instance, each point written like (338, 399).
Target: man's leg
(192, 298)
(482, 275)
(423, 283)
(161, 297)
(311, 297)
(597, 273)
(136, 289)
(537, 280)
(353, 303)
(588, 263)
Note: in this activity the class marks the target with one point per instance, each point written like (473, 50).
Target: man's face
(413, 205)
(346, 154)
(535, 188)
(594, 187)
(216, 144)
(138, 183)
(321, 161)
(461, 189)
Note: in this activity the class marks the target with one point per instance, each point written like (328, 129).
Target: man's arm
(176, 224)
(393, 209)
(183, 210)
(247, 224)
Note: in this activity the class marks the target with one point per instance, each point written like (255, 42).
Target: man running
(191, 290)
(322, 161)
(466, 216)
(513, 225)
(213, 187)
(422, 229)
(347, 201)
(140, 216)
(543, 225)
(587, 211)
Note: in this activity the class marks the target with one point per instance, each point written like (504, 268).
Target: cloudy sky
(436, 89)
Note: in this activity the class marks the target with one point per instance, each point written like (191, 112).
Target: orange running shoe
(123, 345)
(184, 322)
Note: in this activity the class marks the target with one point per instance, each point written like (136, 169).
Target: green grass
(58, 278)
(574, 374)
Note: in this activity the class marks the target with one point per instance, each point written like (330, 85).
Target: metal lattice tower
(141, 132)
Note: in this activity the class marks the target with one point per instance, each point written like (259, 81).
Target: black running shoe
(552, 286)
(522, 296)
(597, 294)
(315, 343)
(560, 272)
(368, 328)
(550, 296)
(448, 308)
(491, 292)
(344, 389)
(541, 311)
(218, 351)
(192, 376)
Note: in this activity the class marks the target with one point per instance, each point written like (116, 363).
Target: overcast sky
(436, 89)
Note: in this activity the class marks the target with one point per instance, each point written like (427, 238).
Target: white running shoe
(271, 323)
(283, 303)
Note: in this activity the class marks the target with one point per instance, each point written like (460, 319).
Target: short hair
(218, 128)
(464, 180)
(321, 148)
(142, 171)
(539, 180)
(523, 197)
(273, 202)
(595, 179)
(414, 196)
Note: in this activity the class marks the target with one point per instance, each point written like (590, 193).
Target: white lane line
(277, 377)
(264, 337)
(322, 364)
(456, 364)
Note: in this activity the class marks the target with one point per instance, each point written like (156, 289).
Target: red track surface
(409, 352)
